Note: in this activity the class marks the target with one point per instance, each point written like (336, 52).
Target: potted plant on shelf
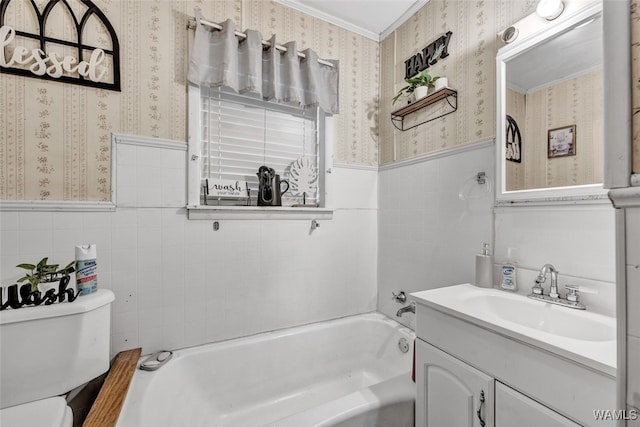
(418, 86)
(43, 276)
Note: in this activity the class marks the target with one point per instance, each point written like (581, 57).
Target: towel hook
(467, 191)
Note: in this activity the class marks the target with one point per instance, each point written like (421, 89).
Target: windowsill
(257, 212)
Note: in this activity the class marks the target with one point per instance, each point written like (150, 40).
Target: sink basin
(580, 335)
(545, 317)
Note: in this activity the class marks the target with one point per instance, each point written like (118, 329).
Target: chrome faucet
(411, 308)
(537, 292)
(542, 277)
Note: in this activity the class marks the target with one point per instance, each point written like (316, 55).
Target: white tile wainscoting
(578, 240)
(179, 283)
(428, 237)
(632, 215)
(627, 200)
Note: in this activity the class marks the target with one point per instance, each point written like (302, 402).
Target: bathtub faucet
(411, 308)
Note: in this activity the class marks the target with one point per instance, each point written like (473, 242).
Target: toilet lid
(46, 412)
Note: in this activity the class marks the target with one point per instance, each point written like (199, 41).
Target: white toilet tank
(49, 350)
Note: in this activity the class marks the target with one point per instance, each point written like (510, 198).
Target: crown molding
(295, 4)
(402, 19)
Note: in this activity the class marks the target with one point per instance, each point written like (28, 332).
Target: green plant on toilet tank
(423, 79)
(55, 278)
(44, 273)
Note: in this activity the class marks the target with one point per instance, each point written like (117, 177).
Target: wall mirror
(549, 136)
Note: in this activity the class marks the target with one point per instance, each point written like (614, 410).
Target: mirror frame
(579, 194)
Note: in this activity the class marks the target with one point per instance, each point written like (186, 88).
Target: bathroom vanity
(486, 357)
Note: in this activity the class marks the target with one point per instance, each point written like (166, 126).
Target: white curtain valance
(219, 59)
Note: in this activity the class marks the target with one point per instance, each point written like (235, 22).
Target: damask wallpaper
(56, 138)
(576, 101)
(470, 69)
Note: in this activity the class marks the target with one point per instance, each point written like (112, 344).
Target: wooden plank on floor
(106, 409)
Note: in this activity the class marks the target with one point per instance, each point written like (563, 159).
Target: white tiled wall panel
(633, 235)
(180, 283)
(428, 237)
(633, 372)
(633, 300)
(579, 241)
(150, 177)
(633, 308)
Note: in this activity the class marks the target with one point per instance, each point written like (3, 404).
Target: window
(231, 136)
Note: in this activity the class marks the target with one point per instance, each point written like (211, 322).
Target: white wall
(179, 283)
(428, 236)
(578, 240)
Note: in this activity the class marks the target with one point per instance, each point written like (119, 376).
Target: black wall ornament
(86, 68)
(514, 141)
(428, 56)
(21, 295)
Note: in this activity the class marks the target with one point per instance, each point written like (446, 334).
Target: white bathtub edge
(374, 315)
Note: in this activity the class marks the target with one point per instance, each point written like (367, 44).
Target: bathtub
(347, 372)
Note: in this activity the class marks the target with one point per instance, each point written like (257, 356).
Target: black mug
(277, 184)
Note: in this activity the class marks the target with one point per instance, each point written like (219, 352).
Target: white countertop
(579, 335)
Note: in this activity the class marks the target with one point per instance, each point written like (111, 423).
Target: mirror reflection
(554, 105)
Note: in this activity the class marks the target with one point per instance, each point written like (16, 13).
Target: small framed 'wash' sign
(228, 188)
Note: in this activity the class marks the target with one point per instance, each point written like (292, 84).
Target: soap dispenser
(509, 273)
(484, 268)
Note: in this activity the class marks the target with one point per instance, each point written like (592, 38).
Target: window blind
(240, 133)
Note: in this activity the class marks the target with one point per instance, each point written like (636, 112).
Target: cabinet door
(450, 392)
(515, 409)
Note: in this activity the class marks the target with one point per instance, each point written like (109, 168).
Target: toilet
(47, 351)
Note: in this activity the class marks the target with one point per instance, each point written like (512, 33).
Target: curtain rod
(192, 25)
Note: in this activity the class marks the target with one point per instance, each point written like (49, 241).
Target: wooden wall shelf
(448, 95)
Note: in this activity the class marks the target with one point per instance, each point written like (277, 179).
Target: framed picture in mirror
(562, 142)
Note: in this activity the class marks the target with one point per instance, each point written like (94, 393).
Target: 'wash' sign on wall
(38, 55)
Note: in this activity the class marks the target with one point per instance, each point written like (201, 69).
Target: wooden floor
(106, 409)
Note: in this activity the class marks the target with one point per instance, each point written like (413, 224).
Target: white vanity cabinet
(450, 392)
(453, 393)
(524, 381)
